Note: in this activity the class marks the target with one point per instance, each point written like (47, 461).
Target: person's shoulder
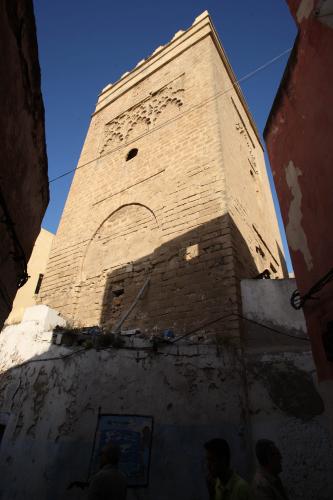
(106, 474)
(241, 483)
(114, 473)
(120, 476)
(98, 478)
(261, 487)
(258, 477)
(242, 488)
(260, 481)
(96, 486)
(111, 479)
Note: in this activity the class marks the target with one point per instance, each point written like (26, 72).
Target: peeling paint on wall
(304, 10)
(295, 233)
(324, 12)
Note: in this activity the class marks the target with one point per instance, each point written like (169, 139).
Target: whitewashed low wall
(194, 393)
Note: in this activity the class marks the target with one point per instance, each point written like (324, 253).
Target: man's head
(110, 454)
(218, 457)
(269, 456)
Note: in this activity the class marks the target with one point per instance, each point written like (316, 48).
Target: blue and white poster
(133, 434)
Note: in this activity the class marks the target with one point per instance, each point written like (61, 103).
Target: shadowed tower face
(172, 185)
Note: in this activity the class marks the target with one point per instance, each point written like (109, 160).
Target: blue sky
(86, 44)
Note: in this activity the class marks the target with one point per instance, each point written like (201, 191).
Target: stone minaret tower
(170, 198)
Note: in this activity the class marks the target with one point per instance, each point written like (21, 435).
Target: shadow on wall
(192, 279)
(282, 260)
(193, 395)
(52, 402)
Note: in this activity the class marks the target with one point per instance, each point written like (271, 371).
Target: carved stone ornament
(242, 130)
(162, 104)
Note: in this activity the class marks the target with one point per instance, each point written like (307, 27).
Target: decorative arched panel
(127, 235)
(117, 260)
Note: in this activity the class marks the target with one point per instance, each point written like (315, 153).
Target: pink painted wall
(299, 139)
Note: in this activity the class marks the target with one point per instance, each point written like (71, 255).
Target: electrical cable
(245, 319)
(165, 343)
(273, 329)
(203, 326)
(297, 300)
(132, 306)
(41, 360)
(197, 106)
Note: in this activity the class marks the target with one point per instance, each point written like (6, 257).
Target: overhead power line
(165, 344)
(209, 99)
(298, 301)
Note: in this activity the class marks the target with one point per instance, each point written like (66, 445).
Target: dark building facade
(24, 193)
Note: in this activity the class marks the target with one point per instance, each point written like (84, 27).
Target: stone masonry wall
(167, 213)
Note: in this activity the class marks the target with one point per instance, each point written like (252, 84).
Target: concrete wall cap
(176, 35)
(106, 88)
(46, 317)
(167, 50)
(158, 49)
(201, 17)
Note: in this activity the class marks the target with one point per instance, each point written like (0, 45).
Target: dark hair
(264, 448)
(219, 448)
(112, 452)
